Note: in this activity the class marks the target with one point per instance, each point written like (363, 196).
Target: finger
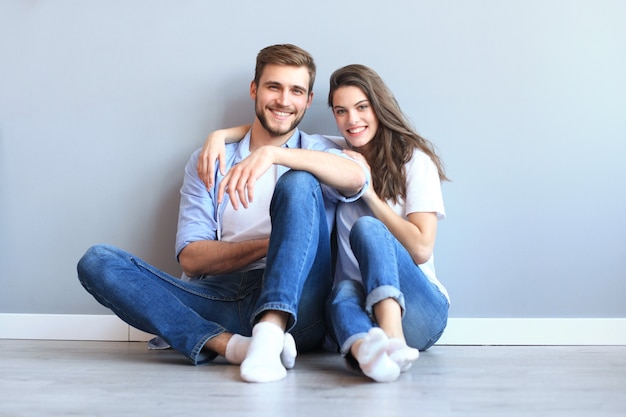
(222, 161)
(232, 193)
(210, 169)
(250, 189)
(241, 194)
(232, 181)
(220, 191)
(217, 156)
(202, 170)
(241, 191)
(226, 185)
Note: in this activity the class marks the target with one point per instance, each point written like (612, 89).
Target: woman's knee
(347, 290)
(367, 230)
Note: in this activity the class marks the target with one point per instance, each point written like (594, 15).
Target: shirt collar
(294, 141)
(243, 150)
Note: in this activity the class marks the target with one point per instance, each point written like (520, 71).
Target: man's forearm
(344, 174)
(209, 257)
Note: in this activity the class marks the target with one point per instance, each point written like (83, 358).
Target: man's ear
(310, 101)
(253, 90)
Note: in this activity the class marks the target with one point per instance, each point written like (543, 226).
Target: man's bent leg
(151, 300)
(297, 278)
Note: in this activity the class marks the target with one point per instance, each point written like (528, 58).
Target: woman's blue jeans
(297, 280)
(387, 271)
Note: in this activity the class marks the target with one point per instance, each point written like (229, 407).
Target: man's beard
(275, 132)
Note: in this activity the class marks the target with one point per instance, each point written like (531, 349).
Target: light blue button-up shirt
(200, 216)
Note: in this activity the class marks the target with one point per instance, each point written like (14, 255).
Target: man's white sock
(262, 363)
(237, 349)
(289, 353)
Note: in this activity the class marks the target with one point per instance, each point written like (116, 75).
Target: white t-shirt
(423, 194)
(252, 222)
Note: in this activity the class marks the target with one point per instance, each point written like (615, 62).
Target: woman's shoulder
(420, 161)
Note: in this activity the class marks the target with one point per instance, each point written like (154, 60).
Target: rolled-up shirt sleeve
(197, 213)
(334, 195)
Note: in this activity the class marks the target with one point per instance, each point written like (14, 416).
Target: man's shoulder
(320, 142)
(231, 148)
(193, 158)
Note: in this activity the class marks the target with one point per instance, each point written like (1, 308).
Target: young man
(255, 246)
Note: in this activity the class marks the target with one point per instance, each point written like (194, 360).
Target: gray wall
(102, 102)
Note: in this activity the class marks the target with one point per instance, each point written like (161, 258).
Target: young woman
(387, 303)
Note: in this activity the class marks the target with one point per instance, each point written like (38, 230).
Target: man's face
(281, 98)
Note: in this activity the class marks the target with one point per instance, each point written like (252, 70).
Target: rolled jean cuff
(345, 348)
(291, 321)
(381, 293)
(200, 355)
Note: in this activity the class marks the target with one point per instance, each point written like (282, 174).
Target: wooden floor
(61, 378)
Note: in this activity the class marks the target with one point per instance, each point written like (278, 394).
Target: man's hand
(240, 180)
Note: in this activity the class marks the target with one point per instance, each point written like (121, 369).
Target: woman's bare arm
(214, 150)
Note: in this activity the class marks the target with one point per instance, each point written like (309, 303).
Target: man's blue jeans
(297, 280)
(387, 271)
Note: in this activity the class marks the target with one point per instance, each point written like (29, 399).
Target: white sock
(289, 353)
(373, 359)
(262, 363)
(402, 354)
(237, 349)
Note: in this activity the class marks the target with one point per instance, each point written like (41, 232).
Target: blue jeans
(387, 271)
(297, 280)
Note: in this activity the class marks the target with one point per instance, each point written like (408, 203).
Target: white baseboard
(460, 331)
(68, 327)
(535, 331)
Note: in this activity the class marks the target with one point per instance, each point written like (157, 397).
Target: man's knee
(296, 180)
(95, 260)
(295, 191)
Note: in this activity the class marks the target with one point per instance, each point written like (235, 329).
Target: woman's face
(354, 115)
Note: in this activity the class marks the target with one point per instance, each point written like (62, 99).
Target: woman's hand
(214, 149)
(417, 233)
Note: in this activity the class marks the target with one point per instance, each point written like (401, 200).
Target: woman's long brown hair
(394, 142)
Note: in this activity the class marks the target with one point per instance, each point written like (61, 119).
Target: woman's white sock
(402, 354)
(373, 359)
